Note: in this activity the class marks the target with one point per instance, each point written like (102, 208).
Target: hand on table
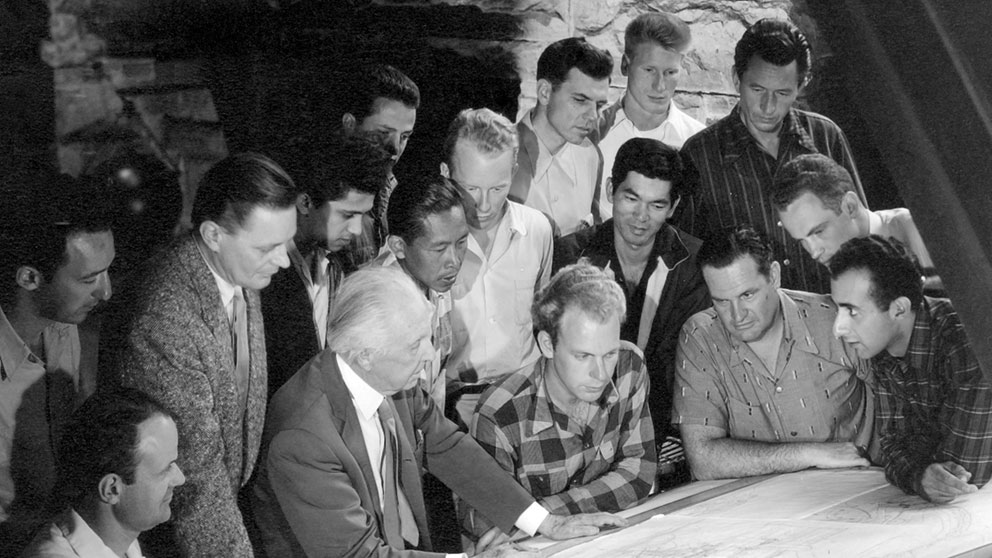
(561, 527)
(837, 455)
(943, 482)
(491, 539)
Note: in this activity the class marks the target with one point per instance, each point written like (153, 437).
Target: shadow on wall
(271, 96)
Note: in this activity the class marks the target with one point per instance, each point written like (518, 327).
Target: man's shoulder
(533, 221)
(944, 320)
(631, 360)
(809, 119)
(508, 391)
(814, 302)
(704, 323)
(709, 136)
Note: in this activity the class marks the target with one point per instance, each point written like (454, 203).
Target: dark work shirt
(932, 404)
(730, 178)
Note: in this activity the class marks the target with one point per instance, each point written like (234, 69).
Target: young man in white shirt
(654, 48)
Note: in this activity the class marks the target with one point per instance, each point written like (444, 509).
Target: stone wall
(706, 91)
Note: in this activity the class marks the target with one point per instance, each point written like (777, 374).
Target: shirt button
(794, 434)
(786, 261)
(492, 320)
(778, 389)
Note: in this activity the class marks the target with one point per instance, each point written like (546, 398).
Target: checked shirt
(606, 465)
(933, 405)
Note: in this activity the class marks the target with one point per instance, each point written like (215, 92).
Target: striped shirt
(815, 394)
(933, 404)
(607, 464)
(730, 176)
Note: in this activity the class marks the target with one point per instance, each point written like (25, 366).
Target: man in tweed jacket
(180, 348)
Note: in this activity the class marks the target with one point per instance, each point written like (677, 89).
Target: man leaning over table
(762, 386)
(933, 414)
(575, 430)
(347, 438)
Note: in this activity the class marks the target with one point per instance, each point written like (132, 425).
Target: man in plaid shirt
(933, 415)
(575, 430)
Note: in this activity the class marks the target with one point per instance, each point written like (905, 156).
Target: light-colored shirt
(28, 383)
(225, 288)
(71, 537)
(815, 394)
(367, 401)
(562, 185)
(318, 288)
(898, 223)
(492, 331)
(677, 128)
(432, 376)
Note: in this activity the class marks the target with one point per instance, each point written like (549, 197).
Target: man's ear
(544, 90)
(303, 204)
(348, 123)
(397, 246)
(609, 187)
(624, 64)
(775, 274)
(210, 232)
(364, 359)
(544, 343)
(29, 278)
(850, 204)
(109, 488)
(736, 78)
(445, 171)
(900, 308)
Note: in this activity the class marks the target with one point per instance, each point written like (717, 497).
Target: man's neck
(548, 137)
(766, 348)
(103, 522)
(28, 325)
(642, 119)
(904, 333)
(769, 141)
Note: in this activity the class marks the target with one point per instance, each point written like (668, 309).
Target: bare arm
(713, 455)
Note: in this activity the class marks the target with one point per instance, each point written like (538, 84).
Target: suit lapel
(345, 420)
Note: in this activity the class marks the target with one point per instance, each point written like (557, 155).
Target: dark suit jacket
(316, 494)
(290, 337)
(176, 347)
(684, 294)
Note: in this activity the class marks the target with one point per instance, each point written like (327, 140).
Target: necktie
(399, 523)
(239, 341)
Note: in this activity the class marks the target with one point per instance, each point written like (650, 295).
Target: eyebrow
(95, 273)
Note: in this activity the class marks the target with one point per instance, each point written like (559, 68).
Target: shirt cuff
(532, 518)
(462, 555)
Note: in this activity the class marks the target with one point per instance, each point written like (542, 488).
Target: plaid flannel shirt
(933, 405)
(607, 465)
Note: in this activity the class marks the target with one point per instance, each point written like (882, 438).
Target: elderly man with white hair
(347, 435)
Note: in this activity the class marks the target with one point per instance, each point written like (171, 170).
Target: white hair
(366, 308)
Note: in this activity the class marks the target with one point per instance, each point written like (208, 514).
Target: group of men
(579, 291)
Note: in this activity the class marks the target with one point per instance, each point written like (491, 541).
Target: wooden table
(838, 513)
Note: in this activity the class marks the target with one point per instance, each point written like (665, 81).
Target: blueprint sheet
(845, 513)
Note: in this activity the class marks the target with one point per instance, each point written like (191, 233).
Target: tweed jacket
(290, 338)
(177, 348)
(316, 494)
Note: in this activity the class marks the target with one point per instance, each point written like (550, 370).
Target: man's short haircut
(731, 243)
(662, 28)
(814, 173)
(235, 186)
(653, 159)
(574, 52)
(777, 42)
(340, 164)
(366, 307)
(489, 132)
(41, 213)
(413, 201)
(892, 269)
(582, 286)
(101, 437)
(378, 81)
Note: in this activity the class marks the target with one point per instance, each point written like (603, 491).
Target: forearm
(611, 492)
(729, 458)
